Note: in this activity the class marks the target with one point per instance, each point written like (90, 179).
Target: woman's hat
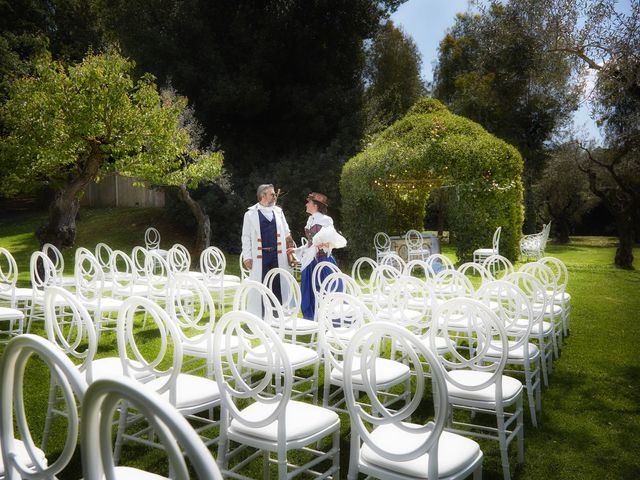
(318, 197)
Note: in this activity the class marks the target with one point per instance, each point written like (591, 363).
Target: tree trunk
(562, 230)
(60, 229)
(203, 233)
(624, 252)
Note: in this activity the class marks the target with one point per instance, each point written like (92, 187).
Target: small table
(430, 240)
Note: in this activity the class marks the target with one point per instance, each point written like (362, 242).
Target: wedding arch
(386, 186)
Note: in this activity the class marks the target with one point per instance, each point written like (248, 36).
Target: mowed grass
(590, 422)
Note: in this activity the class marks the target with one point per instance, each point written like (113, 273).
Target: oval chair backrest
(8, 272)
(410, 303)
(513, 308)
(190, 306)
(467, 319)
(69, 325)
(89, 276)
(543, 274)
(29, 462)
(179, 258)
(361, 355)
(103, 253)
(212, 263)
(173, 430)
(473, 268)
(238, 338)
(496, 240)
(122, 271)
(272, 308)
(51, 251)
(244, 271)
(382, 242)
(413, 239)
(289, 288)
(559, 269)
(145, 363)
(438, 262)
(422, 266)
(498, 266)
(395, 261)
(535, 292)
(340, 282)
(152, 238)
(139, 258)
(362, 270)
(43, 273)
(452, 284)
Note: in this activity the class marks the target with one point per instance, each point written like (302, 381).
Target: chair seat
(515, 353)
(107, 304)
(484, 252)
(303, 326)
(302, 420)
(442, 344)
(21, 294)
(406, 315)
(555, 310)
(10, 314)
(511, 387)
(562, 297)
(546, 329)
(191, 391)
(455, 452)
(111, 367)
(126, 473)
(388, 373)
(23, 457)
(132, 290)
(299, 356)
(198, 345)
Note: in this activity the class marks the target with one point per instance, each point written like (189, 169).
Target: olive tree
(67, 126)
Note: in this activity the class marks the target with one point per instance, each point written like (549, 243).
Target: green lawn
(590, 423)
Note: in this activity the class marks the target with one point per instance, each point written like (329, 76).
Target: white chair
(174, 432)
(70, 326)
(498, 266)
(179, 260)
(450, 284)
(43, 275)
(157, 275)
(103, 254)
(438, 262)
(481, 253)
(90, 289)
(10, 294)
(533, 246)
(415, 246)
(421, 268)
(124, 278)
(382, 244)
(191, 308)
(474, 376)
(548, 304)
(339, 318)
(389, 444)
(15, 323)
(382, 279)
(361, 272)
(292, 322)
(261, 414)
(561, 296)
(318, 274)
(301, 356)
(20, 457)
(514, 309)
(57, 258)
(476, 270)
(189, 394)
(222, 287)
(395, 261)
(152, 241)
(542, 332)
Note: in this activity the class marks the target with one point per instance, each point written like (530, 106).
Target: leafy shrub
(385, 187)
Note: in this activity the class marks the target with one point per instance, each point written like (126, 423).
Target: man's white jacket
(252, 246)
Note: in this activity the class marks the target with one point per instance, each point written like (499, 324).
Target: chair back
(162, 363)
(157, 274)
(452, 284)
(395, 261)
(54, 253)
(103, 253)
(559, 269)
(364, 349)
(173, 430)
(498, 266)
(361, 272)
(438, 262)
(496, 241)
(476, 269)
(21, 458)
(382, 242)
(484, 333)
(89, 276)
(409, 304)
(8, 274)
(152, 238)
(179, 258)
(544, 275)
(244, 271)
(413, 239)
(139, 258)
(190, 306)
(212, 264)
(289, 287)
(123, 273)
(256, 370)
(43, 274)
(420, 267)
(340, 282)
(272, 308)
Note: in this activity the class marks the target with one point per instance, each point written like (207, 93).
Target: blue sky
(426, 21)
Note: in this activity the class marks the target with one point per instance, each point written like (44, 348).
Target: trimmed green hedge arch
(386, 186)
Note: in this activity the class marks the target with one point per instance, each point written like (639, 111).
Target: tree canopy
(70, 125)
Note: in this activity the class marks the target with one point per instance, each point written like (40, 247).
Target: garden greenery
(386, 186)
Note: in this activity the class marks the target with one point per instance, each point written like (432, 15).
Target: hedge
(386, 186)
